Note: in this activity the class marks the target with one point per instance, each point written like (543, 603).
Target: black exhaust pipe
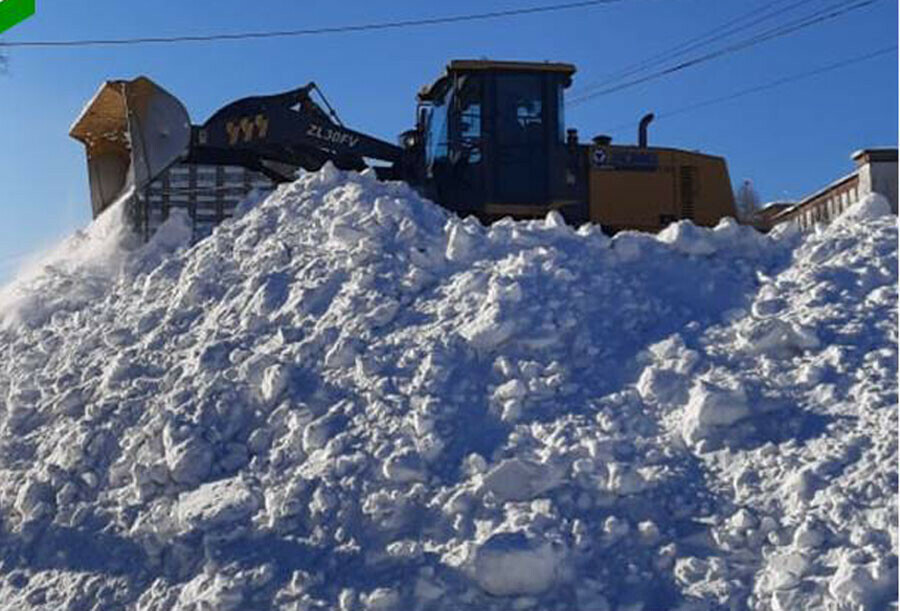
(642, 129)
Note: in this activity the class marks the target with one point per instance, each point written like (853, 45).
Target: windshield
(436, 131)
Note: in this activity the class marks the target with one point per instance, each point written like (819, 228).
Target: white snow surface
(348, 398)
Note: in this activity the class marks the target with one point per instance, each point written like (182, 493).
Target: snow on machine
(490, 140)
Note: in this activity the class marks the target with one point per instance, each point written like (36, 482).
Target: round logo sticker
(600, 156)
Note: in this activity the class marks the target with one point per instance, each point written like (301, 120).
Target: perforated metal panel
(209, 193)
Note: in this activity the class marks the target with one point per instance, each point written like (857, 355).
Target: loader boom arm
(135, 130)
(288, 128)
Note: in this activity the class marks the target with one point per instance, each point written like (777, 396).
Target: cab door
(521, 160)
(467, 148)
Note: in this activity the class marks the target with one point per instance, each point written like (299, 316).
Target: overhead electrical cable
(386, 25)
(819, 16)
(723, 30)
(831, 12)
(769, 85)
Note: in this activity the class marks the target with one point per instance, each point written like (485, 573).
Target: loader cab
(495, 140)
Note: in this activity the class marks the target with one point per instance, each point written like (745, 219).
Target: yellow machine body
(648, 188)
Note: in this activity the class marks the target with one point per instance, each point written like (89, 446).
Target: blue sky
(790, 140)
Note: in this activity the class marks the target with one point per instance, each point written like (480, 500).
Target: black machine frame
(505, 150)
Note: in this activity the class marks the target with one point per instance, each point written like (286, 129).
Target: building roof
(799, 205)
(776, 205)
(771, 210)
(874, 155)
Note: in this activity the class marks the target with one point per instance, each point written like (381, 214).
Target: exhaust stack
(642, 129)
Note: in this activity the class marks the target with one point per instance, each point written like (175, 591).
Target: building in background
(762, 219)
(876, 172)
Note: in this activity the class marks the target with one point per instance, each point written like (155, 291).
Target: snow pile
(349, 399)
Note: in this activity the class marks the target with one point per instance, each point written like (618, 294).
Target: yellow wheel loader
(490, 140)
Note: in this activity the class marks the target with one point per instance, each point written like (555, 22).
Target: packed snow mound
(348, 398)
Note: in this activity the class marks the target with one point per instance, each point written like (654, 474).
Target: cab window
(436, 131)
(520, 109)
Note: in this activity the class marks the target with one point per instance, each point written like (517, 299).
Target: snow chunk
(661, 385)
(711, 408)
(863, 586)
(809, 535)
(404, 466)
(35, 500)
(512, 563)
(777, 338)
(274, 381)
(513, 389)
(488, 329)
(461, 243)
(216, 504)
(189, 461)
(381, 599)
(686, 237)
(515, 479)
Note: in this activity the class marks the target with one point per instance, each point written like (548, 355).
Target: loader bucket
(132, 131)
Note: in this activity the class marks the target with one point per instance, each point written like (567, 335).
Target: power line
(387, 25)
(770, 85)
(826, 14)
(819, 16)
(719, 32)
